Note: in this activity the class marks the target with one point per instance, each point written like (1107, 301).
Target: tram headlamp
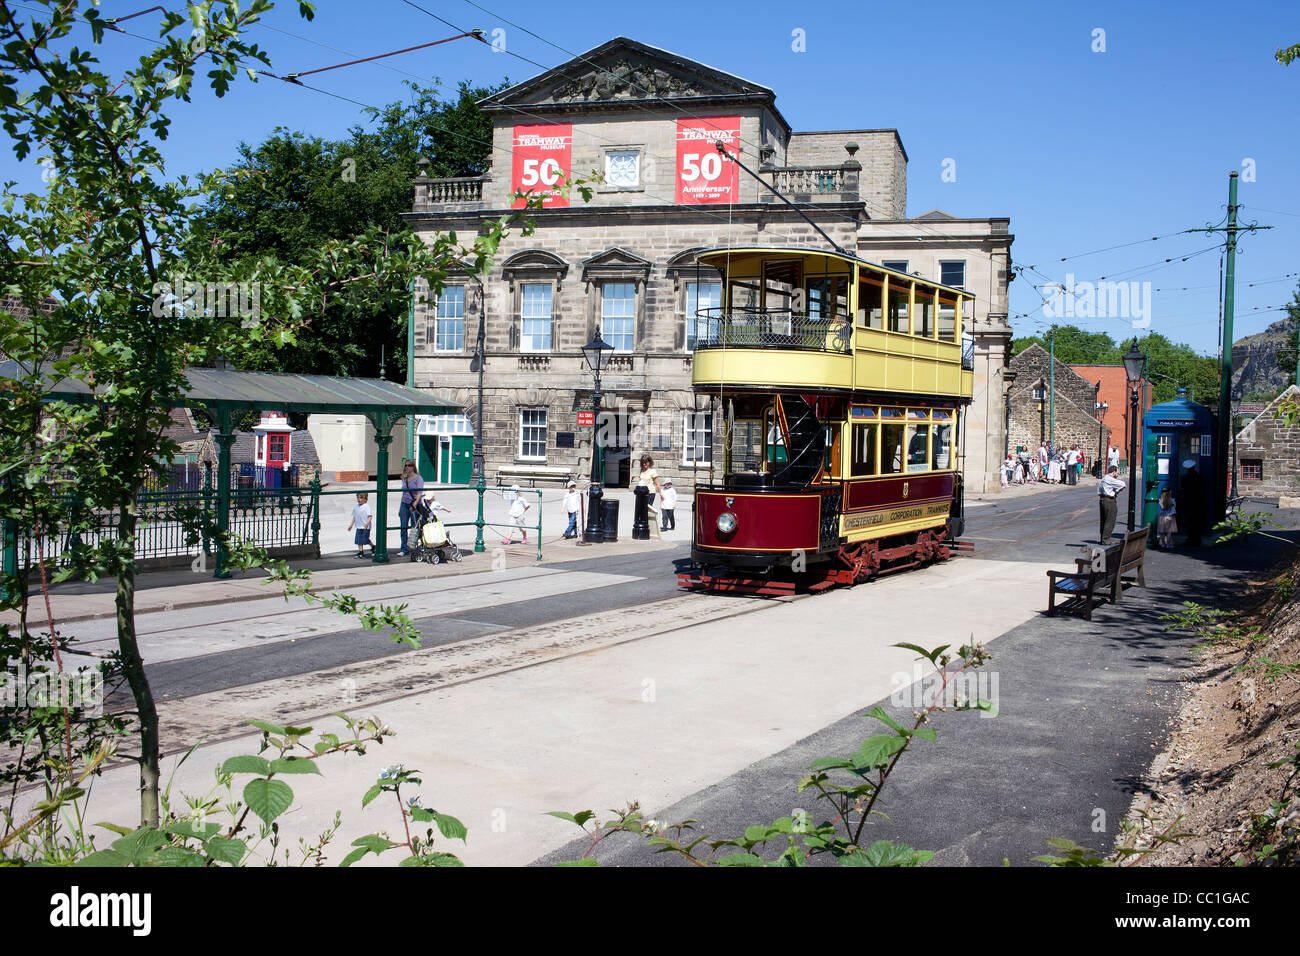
(726, 523)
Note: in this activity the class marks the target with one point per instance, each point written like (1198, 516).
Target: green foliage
(1170, 364)
(1271, 669)
(1275, 833)
(1139, 838)
(293, 192)
(849, 786)
(189, 833)
(1075, 346)
(1212, 625)
(98, 262)
(1287, 54)
(1237, 524)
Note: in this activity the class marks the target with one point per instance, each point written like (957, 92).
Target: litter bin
(609, 520)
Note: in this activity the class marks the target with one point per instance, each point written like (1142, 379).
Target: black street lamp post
(1099, 409)
(597, 353)
(1134, 367)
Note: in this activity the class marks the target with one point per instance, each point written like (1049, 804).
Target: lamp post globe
(596, 353)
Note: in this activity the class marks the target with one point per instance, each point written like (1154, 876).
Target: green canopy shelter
(226, 394)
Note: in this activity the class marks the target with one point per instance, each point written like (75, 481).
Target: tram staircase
(805, 443)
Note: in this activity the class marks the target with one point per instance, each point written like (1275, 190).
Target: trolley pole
(1051, 392)
(1220, 480)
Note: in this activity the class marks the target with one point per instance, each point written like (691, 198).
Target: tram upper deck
(799, 318)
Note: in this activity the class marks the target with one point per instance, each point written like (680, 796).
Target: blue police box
(1179, 439)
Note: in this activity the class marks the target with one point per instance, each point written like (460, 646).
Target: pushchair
(430, 542)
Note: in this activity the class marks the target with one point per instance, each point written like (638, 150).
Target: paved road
(1084, 709)
(534, 704)
(193, 651)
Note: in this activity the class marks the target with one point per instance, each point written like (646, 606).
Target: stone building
(1268, 453)
(624, 264)
(1034, 415)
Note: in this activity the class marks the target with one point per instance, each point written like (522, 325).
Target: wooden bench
(1079, 587)
(1125, 558)
(515, 474)
(1121, 566)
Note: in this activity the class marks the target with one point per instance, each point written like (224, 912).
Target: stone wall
(1075, 421)
(882, 184)
(1275, 447)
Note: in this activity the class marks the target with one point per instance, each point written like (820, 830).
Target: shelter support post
(10, 554)
(224, 438)
(383, 423)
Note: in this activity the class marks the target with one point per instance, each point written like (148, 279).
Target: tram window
(831, 456)
(869, 304)
(782, 279)
(947, 319)
(918, 447)
(864, 451)
(898, 296)
(742, 295)
(942, 446)
(923, 321)
(746, 446)
(891, 449)
(827, 297)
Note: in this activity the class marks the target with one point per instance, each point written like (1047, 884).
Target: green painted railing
(265, 517)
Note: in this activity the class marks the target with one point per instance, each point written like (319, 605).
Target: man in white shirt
(1112, 457)
(667, 521)
(1107, 489)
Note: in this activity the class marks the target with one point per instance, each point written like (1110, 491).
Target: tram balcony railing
(771, 329)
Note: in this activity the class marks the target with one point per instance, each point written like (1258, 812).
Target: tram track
(219, 716)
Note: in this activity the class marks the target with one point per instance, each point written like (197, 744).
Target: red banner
(703, 176)
(541, 162)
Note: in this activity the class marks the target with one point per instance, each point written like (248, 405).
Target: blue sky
(1082, 149)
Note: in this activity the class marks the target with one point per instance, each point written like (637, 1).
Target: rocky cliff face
(1254, 360)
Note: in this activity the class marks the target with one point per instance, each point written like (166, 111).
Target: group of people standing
(1053, 465)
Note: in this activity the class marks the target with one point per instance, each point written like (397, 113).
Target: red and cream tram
(837, 388)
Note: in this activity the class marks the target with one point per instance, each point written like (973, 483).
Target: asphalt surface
(1084, 707)
(195, 675)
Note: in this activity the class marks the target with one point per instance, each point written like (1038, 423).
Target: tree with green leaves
(293, 192)
(1170, 365)
(1074, 346)
(89, 263)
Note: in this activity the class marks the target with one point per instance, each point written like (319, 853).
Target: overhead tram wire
(920, 227)
(347, 99)
(578, 56)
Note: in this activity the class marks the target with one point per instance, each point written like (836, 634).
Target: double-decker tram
(837, 387)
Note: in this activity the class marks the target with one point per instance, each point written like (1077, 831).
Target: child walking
(1166, 523)
(518, 508)
(361, 519)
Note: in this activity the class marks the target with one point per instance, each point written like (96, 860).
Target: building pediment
(686, 264)
(624, 71)
(534, 262)
(615, 263)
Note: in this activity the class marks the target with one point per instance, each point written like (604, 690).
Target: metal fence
(265, 517)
